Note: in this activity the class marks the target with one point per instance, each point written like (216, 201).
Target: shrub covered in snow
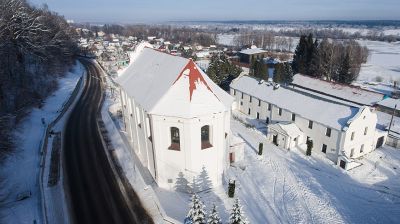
(214, 216)
(196, 214)
(237, 215)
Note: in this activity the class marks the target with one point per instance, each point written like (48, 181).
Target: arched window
(205, 137)
(175, 139)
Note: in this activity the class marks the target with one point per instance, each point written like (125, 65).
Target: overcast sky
(128, 11)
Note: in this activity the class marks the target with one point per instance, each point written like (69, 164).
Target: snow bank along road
(94, 191)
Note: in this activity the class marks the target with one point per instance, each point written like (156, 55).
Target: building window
(241, 103)
(269, 107)
(175, 139)
(365, 130)
(280, 111)
(352, 152)
(328, 132)
(352, 136)
(362, 148)
(205, 137)
(324, 148)
(259, 102)
(267, 120)
(310, 124)
(258, 115)
(249, 111)
(293, 117)
(242, 95)
(251, 99)
(234, 92)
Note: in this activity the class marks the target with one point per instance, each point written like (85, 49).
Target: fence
(44, 142)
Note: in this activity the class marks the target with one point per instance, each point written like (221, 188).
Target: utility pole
(391, 120)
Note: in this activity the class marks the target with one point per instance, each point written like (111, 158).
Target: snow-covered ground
(383, 61)
(21, 170)
(288, 187)
(285, 186)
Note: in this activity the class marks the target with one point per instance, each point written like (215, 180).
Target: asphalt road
(92, 188)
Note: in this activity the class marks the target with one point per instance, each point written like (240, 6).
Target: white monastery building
(177, 119)
(340, 131)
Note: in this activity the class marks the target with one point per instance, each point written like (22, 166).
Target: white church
(177, 119)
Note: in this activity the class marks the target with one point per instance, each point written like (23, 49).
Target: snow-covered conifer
(214, 216)
(196, 214)
(237, 215)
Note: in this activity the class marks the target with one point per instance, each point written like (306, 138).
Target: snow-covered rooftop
(346, 92)
(334, 115)
(168, 85)
(253, 51)
(390, 103)
(289, 128)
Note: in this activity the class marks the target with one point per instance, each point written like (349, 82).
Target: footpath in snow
(22, 169)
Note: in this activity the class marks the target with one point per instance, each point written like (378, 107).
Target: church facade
(176, 118)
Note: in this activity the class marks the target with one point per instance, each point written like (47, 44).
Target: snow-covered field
(383, 61)
(288, 187)
(21, 170)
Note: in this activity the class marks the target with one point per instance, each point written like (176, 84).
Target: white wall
(317, 133)
(363, 119)
(191, 159)
(165, 164)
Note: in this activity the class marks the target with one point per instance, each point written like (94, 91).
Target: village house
(248, 56)
(176, 118)
(338, 131)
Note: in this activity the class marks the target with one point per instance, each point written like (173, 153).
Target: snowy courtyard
(288, 187)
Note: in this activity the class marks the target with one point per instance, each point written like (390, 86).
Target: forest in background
(37, 46)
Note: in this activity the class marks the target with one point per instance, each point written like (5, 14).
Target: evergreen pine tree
(214, 216)
(259, 70)
(221, 70)
(278, 73)
(299, 57)
(196, 213)
(314, 67)
(311, 54)
(237, 215)
(287, 73)
(344, 74)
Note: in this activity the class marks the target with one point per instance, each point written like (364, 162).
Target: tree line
(282, 71)
(198, 215)
(338, 61)
(266, 40)
(185, 35)
(36, 47)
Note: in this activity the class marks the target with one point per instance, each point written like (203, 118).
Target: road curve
(91, 185)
